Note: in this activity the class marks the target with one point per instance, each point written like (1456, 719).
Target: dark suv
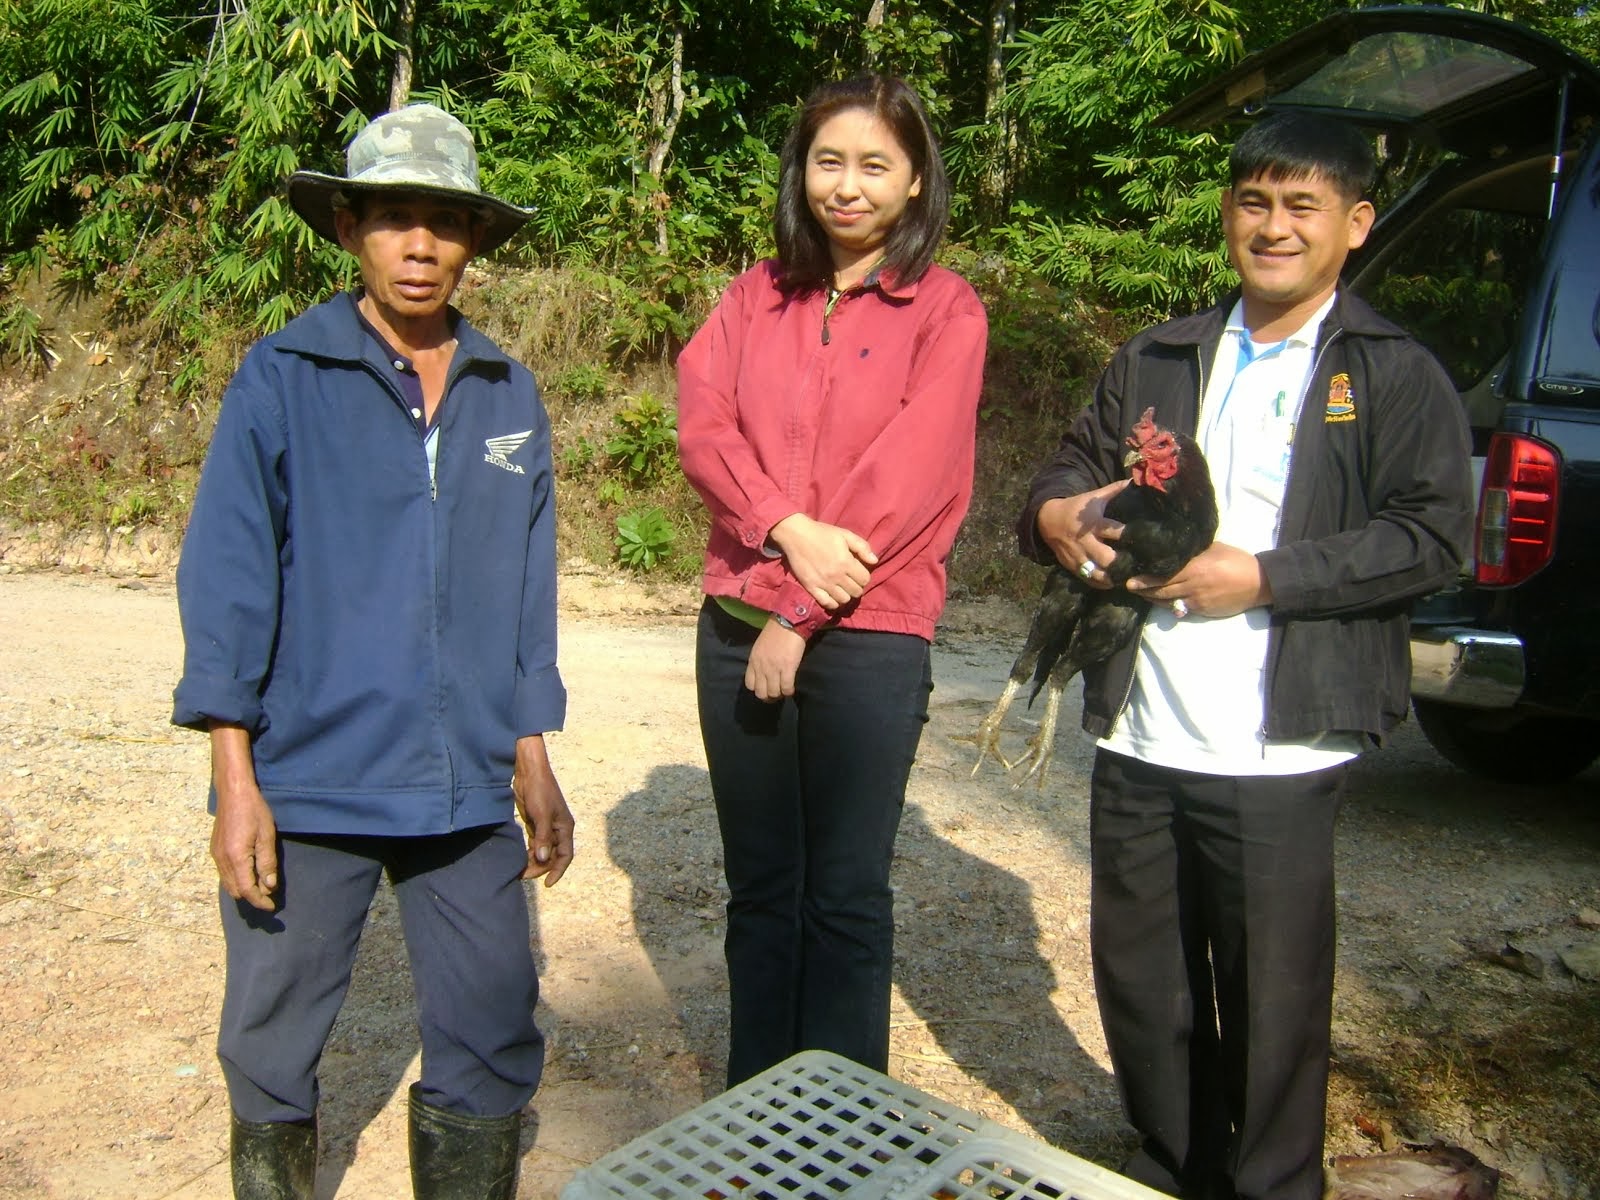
(1490, 254)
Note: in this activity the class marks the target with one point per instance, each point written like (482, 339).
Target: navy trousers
(809, 793)
(1212, 936)
(465, 918)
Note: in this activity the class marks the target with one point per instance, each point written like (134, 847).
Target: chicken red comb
(1143, 430)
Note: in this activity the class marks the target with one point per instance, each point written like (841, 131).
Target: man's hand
(1077, 530)
(244, 837)
(1220, 581)
(544, 812)
(831, 562)
(774, 659)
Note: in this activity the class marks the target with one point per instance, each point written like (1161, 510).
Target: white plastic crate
(819, 1127)
(1013, 1167)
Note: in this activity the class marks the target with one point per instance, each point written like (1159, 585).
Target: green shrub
(645, 445)
(644, 538)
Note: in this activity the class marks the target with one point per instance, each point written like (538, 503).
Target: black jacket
(1377, 509)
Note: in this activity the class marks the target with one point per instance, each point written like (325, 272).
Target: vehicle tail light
(1517, 509)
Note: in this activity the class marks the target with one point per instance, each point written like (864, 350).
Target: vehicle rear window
(1404, 75)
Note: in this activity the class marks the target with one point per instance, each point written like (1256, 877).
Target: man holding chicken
(1339, 456)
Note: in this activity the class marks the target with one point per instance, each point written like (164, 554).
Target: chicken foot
(988, 736)
(1042, 745)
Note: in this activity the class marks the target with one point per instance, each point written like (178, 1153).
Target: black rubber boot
(459, 1157)
(273, 1160)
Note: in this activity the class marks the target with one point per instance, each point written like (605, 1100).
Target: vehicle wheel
(1538, 750)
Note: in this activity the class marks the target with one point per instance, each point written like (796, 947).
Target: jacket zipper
(437, 606)
(438, 433)
(1200, 400)
(438, 449)
(433, 496)
(1133, 672)
(1294, 429)
(834, 296)
(1273, 635)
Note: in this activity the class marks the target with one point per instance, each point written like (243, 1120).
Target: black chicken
(1168, 514)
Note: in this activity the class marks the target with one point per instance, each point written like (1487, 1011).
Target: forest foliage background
(145, 144)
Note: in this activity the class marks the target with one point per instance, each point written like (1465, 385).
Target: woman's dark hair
(1297, 145)
(908, 250)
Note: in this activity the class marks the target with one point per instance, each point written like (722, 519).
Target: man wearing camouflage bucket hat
(367, 591)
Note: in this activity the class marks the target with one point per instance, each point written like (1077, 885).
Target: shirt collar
(1306, 335)
(332, 330)
(401, 361)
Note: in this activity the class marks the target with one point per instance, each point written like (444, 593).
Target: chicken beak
(1131, 457)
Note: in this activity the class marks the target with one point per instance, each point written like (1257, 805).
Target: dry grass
(100, 439)
(553, 318)
(100, 442)
(1458, 1070)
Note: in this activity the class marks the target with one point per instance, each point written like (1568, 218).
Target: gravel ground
(1460, 1015)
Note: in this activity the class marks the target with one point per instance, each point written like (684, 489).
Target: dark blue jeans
(465, 918)
(809, 793)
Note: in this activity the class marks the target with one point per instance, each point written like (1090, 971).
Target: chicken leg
(1104, 628)
(1054, 620)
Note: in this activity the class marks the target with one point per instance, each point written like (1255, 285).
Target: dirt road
(111, 974)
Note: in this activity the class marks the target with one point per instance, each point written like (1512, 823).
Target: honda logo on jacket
(503, 447)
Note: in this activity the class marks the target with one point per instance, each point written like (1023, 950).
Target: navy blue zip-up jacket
(1377, 509)
(384, 641)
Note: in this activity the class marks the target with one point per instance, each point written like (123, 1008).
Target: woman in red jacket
(826, 415)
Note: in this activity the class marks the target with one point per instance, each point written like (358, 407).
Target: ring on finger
(1180, 609)
(1086, 568)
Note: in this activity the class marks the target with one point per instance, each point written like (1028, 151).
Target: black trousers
(1212, 934)
(464, 913)
(809, 793)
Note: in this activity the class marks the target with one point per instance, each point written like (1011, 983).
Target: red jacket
(872, 430)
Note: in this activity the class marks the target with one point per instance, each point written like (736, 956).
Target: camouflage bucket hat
(419, 148)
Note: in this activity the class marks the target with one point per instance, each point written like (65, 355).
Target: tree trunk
(875, 15)
(995, 180)
(666, 105)
(400, 82)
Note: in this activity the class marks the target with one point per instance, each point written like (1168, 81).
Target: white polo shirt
(1198, 701)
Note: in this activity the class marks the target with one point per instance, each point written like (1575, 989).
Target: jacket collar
(333, 330)
(884, 282)
(1350, 313)
(889, 285)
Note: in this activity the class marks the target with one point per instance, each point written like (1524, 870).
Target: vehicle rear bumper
(1471, 667)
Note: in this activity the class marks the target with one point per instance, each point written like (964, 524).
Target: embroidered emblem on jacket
(1341, 401)
(503, 447)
